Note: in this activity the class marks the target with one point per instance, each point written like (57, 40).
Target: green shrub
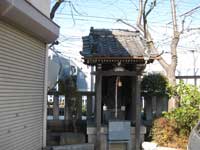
(84, 110)
(174, 128)
(189, 95)
(186, 117)
(154, 85)
(165, 133)
(187, 114)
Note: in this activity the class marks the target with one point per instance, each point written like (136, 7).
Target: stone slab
(119, 130)
(104, 130)
(72, 138)
(74, 147)
(166, 148)
(153, 146)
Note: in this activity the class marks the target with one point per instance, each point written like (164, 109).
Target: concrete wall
(42, 5)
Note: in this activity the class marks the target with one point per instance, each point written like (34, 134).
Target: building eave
(22, 14)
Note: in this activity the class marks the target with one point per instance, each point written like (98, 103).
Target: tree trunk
(171, 75)
(169, 68)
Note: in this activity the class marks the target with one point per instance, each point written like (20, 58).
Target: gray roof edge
(102, 31)
(24, 15)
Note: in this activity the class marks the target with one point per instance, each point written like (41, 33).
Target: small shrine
(119, 58)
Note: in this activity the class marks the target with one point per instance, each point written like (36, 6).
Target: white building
(25, 31)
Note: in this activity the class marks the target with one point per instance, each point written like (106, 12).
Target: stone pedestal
(155, 106)
(74, 147)
(91, 132)
(56, 107)
(148, 109)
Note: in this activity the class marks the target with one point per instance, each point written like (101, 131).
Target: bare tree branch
(72, 13)
(139, 19)
(183, 25)
(145, 4)
(120, 20)
(54, 8)
(174, 20)
(190, 29)
(187, 14)
(190, 11)
(71, 5)
(153, 4)
(145, 15)
(150, 39)
(145, 20)
(74, 8)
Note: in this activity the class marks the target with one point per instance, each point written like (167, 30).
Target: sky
(75, 18)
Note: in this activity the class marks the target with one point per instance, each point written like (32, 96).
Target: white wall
(42, 5)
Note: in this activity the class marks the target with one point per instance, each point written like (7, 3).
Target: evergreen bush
(154, 85)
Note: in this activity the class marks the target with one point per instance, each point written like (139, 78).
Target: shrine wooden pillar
(56, 107)
(89, 106)
(133, 102)
(138, 113)
(98, 108)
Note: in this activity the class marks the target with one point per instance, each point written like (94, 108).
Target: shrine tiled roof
(113, 43)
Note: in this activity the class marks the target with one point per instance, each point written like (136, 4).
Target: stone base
(118, 146)
(74, 147)
(153, 146)
(65, 138)
(91, 132)
(72, 138)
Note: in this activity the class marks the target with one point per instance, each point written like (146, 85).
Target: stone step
(74, 147)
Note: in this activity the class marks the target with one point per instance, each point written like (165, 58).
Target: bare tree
(170, 68)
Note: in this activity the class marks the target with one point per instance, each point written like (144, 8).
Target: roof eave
(126, 60)
(24, 15)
